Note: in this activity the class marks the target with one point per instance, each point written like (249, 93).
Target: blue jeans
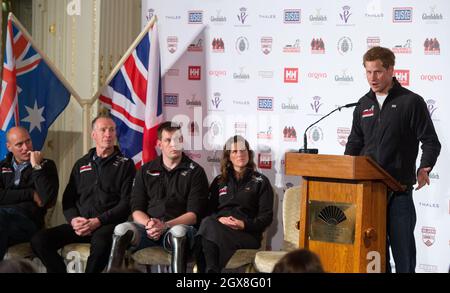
(145, 242)
(15, 227)
(401, 221)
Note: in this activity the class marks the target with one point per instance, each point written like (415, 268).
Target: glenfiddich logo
(218, 19)
(344, 77)
(432, 15)
(318, 18)
(193, 102)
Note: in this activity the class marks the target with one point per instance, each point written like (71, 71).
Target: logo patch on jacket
(153, 173)
(85, 168)
(6, 170)
(223, 191)
(368, 112)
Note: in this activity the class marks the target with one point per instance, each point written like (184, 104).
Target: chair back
(291, 217)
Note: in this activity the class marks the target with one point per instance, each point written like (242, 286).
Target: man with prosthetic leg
(168, 200)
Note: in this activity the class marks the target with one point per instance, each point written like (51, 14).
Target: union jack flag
(32, 96)
(135, 102)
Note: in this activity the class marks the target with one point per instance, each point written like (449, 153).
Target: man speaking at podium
(387, 125)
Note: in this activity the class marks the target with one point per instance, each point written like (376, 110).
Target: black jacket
(166, 194)
(249, 200)
(391, 136)
(100, 189)
(44, 182)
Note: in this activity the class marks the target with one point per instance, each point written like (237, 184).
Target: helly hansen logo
(223, 191)
(153, 173)
(195, 73)
(402, 76)
(85, 168)
(368, 112)
(291, 75)
(6, 170)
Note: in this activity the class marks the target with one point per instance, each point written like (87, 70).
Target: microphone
(305, 149)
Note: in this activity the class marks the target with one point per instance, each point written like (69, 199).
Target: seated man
(96, 199)
(169, 197)
(28, 185)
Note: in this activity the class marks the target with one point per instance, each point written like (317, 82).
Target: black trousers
(401, 222)
(46, 244)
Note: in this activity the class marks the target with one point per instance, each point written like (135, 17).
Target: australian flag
(134, 99)
(32, 96)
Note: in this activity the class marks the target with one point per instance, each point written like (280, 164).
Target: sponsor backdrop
(268, 69)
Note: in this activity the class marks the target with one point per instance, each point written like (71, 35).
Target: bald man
(28, 186)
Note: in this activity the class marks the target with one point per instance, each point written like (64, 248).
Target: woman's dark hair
(299, 261)
(225, 162)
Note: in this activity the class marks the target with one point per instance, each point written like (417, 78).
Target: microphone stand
(305, 149)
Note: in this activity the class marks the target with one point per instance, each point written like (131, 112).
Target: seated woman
(241, 206)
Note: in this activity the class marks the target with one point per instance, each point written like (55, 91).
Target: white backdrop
(268, 69)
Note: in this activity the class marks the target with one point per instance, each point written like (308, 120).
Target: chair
(76, 254)
(241, 258)
(266, 260)
(23, 250)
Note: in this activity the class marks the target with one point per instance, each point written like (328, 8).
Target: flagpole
(124, 58)
(46, 59)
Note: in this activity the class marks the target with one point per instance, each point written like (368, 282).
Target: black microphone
(305, 149)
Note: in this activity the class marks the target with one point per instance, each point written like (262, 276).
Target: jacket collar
(184, 164)
(396, 87)
(92, 154)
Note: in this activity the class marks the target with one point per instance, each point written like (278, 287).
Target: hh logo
(402, 76)
(195, 73)
(291, 75)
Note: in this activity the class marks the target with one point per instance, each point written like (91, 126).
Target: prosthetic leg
(178, 242)
(124, 235)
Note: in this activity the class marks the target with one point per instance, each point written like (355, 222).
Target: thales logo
(291, 75)
(402, 14)
(195, 17)
(195, 73)
(292, 16)
(402, 76)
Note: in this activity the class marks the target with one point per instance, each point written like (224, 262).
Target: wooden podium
(343, 210)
